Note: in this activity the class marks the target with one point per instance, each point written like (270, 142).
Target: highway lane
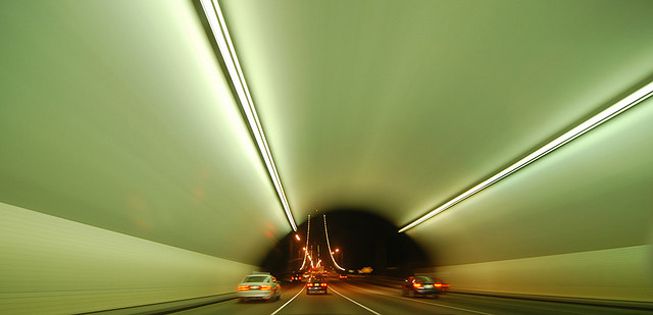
(343, 298)
(389, 301)
(351, 297)
(331, 303)
(372, 296)
(246, 308)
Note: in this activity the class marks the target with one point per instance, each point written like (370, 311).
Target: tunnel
(154, 153)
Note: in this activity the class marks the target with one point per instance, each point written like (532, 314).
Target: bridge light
(326, 235)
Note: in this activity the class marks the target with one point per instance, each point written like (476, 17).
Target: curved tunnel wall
(55, 266)
(124, 161)
(576, 223)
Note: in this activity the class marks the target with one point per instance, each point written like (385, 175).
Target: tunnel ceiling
(400, 105)
(118, 115)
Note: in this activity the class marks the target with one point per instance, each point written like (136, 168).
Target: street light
(336, 251)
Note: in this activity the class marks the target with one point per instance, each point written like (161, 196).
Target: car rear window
(423, 279)
(255, 279)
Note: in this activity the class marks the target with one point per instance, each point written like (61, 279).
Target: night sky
(364, 239)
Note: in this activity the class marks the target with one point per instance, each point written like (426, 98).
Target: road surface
(354, 298)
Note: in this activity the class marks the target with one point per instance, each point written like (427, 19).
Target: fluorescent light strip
(228, 53)
(612, 111)
(241, 76)
(308, 233)
(326, 233)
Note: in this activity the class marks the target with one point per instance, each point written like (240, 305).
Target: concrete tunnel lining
(117, 124)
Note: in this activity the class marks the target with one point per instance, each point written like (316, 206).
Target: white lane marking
(442, 305)
(284, 305)
(418, 301)
(350, 300)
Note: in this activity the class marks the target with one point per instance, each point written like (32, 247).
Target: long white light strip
(326, 233)
(221, 34)
(596, 120)
(308, 233)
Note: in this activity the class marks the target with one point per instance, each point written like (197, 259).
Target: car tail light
(243, 288)
(309, 284)
(438, 285)
(323, 284)
(417, 285)
(266, 287)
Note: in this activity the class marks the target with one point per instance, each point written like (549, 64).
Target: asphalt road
(352, 298)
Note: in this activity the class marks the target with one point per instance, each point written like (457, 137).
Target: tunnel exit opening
(360, 240)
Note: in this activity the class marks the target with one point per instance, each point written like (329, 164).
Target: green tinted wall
(127, 175)
(56, 266)
(576, 223)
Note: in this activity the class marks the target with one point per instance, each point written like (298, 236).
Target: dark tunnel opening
(358, 239)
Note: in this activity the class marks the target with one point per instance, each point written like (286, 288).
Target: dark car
(296, 277)
(316, 285)
(421, 286)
